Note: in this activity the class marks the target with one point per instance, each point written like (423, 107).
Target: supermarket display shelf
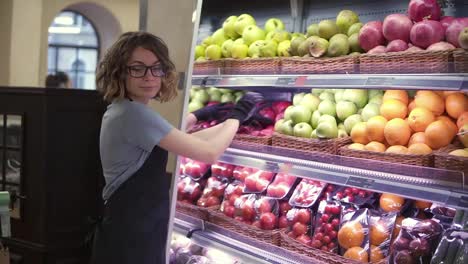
(212, 235)
(441, 186)
(453, 82)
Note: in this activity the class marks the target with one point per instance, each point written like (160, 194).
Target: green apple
(226, 48)
(215, 96)
(338, 46)
(278, 125)
(463, 137)
(339, 95)
(211, 90)
(327, 119)
(370, 110)
(288, 112)
(373, 93)
(314, 134)
(459, 153)
(297, 98)
(254, 48)
(354, 44)
(357, 96)
(227, 97)
(281, 35)
(192, 92)
(344, 109)
(269, 49)
(303, 130)
(284, 48)
(252, 33)
(345, 20)
(327, 130)
(376, 99)
(318, 46)
(201, 59)
(274, 24)
(228, 27)
(242, 22)
(224, 90)
(303, 49)
(239, 51)
(327, 95)
(327, 29)
(296, 34)
(269, 35)
(312, 30)
(194, 106)
(199, 51)
(310, 101)
(295, 42)
(300, 114)
(201, 96)
(315, 118)
(287, 128)
(354, 28)
(342, 133)
(317, 91)
(239, 41)
(327, 107)
(219, 37)
(207, 41)
(351, 121)
(341, 126)
(213, 52)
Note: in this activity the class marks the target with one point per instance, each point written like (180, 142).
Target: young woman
(134, 143)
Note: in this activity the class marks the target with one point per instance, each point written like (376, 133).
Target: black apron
(135, 222)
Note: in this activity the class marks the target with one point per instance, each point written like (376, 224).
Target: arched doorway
(73, 48)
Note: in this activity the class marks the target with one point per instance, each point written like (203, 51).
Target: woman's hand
(213, 112)
(244, 106)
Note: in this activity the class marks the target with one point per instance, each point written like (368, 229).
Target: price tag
(380, 81)
(286, 81)
(463, 202)
(360, 182)
(197, 81)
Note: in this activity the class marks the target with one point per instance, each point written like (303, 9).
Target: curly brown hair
(112, 70)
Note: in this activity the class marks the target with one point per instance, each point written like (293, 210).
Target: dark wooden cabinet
(49, 152)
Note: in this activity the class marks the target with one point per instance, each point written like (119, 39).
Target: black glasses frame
(159, 73)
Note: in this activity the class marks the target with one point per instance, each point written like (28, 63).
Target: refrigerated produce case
(438, 185)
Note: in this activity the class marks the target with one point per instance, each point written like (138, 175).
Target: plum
(401, 244)
(427, 226)
(404, 257)
(419, 247)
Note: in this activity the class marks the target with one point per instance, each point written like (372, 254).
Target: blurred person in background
(58, 80)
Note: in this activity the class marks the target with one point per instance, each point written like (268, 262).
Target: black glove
(213, 112)
(244, 106)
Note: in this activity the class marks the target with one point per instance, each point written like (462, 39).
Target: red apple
(283, 222)
(251, 183)
(261, 185)
(299, 228)
(263, 206)
(316, 244)
(268, 221)
(228, 170)
(232, 198)
(303, 216)
(280, 106)
(248, 212)
(229, 210)
(267, 175)
(304, 239)
(257, 224)
(284, 207)
(268, 112)
(212, 201)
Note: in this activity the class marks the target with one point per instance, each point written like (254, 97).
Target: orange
(351, 234)
(456, 104)
(375, 128)
(359, 133)
(447, 93)
(418, 137)
(420, 118)
(391, 203)
(376, 254)
(411, 105)
(422, 204)
(379, 233)
(397, 149)
(419, 149)
(431, 101)
(357, 146)
(397, 132)
(462, 119)
(400, 95)
(393, 108)
(375, 146)
(438, 134)
(450, 123)
(357, 253)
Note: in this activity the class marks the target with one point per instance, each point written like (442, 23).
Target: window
(73, 48)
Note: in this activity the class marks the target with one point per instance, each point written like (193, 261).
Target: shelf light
(63, 20)
(65, 30)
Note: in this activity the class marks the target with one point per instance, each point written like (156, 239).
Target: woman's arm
(190, 121)
(198, 147)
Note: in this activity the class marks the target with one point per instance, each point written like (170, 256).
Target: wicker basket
(330, 146)
(327, 257)
(194, 210)
(266, 140)
(460, 59)
(208, 67)
(252, 66)
(406, 62)
(343, 64)
(443, 160)
(268, 236)
(409, 159)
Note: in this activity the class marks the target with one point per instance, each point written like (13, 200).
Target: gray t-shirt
(129, 132)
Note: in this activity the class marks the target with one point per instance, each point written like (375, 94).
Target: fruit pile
(412, 125)
(200, 97)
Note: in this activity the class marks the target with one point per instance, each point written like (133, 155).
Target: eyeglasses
(139, 71)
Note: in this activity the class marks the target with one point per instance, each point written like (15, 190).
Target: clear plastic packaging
(380, 234)
(233, 191)
(244, 209)
(257, 181)
(327, 224)
(306, 193)
(453, 248)
(299, 225)
(282, 186)
(352, 195)
(284, 208)
(196, 169)
(222, 170)
(241, 172)
(189, 190)
(213, 192)
(416, 241)
(267, 212)
(353, 236)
